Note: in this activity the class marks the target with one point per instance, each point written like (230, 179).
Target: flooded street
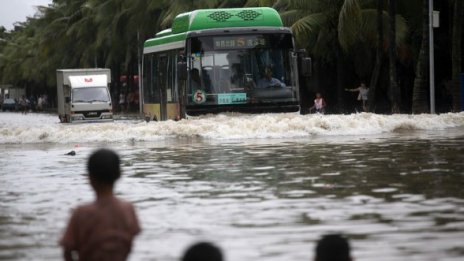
(263, 187)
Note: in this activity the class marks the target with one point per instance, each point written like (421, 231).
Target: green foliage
(109, 33)
(349, 23)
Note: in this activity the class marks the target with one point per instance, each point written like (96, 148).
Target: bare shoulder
(124, 203)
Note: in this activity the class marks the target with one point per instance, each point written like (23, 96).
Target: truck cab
(83, 95)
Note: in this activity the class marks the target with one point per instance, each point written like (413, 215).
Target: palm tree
(332, 30)
(419, 96)
(394, 88)
(175, 7)
(19, 63)
(458, 10)
(74, 23)
(378, 57)
(78, 33)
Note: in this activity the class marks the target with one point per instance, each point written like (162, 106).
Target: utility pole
(139, 69)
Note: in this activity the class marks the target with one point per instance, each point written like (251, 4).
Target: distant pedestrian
(45, 101)
(136, 100)
(105, 228)
(333, 247)
(130, 101)
(122, 101)
(23, 103)
(40, 102)
(203, 251)
(363, 94)
(319, 104)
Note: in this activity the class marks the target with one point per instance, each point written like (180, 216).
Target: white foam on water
(45, 128)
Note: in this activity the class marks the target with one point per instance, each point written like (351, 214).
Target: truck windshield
(90, 94)
(241, 69)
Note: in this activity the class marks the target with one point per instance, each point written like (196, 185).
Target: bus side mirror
(182, 71)
(67, 99)
(306, 67)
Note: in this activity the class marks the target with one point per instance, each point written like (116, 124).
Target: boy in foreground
(105, 228)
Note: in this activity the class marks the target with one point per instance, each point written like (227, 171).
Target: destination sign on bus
(232, 98)
(238, 42)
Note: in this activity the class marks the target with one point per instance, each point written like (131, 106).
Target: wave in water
(45, 128)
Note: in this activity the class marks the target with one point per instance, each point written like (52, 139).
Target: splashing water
(43, 128)
(263, 187)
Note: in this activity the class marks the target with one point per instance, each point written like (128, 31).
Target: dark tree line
(383, 43)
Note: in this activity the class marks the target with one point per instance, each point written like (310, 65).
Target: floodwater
(262, 187)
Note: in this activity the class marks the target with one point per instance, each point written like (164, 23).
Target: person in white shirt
(319, 104)
(122, 101)
(363, 94)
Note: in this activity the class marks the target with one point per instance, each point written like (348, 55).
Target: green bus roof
(216, 18)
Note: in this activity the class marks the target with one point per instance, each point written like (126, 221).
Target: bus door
(172, 91)
(169, 93)
(162, 83)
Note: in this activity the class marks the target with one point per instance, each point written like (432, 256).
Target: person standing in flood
(363, 94)
(319, 104)
(105, 228)
(24, 104)
(122, 101)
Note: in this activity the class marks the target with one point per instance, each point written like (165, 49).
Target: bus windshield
(241, 69)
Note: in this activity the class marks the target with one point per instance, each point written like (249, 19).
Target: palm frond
(308, 27)
(252, 3)
(402, 29)
(308, 5)
(323, 47)
(349, 23)
(368, 28)
(292, 16)
(368, 4)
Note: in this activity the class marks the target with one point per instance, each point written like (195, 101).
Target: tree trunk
(304, 88)
(378, 58)
(419, 95)
(340, 81)
(394, 88)
(456, 57)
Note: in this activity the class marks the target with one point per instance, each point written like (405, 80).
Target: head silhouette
(202, 251)
(103, 167)
(268, 72)
(333, 247)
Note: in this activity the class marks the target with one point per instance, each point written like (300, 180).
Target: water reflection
(295, 191)
(397, 197)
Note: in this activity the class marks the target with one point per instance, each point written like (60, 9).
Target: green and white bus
(220, 60)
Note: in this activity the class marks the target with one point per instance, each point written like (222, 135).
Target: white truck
(83, 95)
